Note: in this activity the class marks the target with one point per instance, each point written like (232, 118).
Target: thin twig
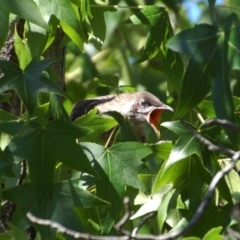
(199, 116)
(111, 136)
(117, 6)
(209, 144)
(23, 172)
(75, 234)
(118, 226)
(223, 123)
(142, 222)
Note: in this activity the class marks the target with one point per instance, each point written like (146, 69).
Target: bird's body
(140, 108)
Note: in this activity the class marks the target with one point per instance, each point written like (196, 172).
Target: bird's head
(148, 108)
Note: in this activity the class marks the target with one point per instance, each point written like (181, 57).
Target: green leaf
(16, 232)
(11, 127)
(107, 81)
(98, 27)
(210, 47)
(28, 82)
(207, 109)
(159, 32)
(172, 4)
(147, 180)
(174, 69)
(22, 50)
(148, 15)
(163, 209)
(211, 163)
(5, 160)
(78, 40)
(57, 206)
(155, 38)
(173, 64)
(56, 108)
(44, 146)
(5, 139)
(188, 174)
(192, 92)
(231, 6)
(6, 116)
(214, 233)
(40, 114)
(99, 125)
(153, 202)
(200, 43)
(237, 105)
(85, 8)
(232, 180)
(8, 125)
(176, 210)
(227, 59)
(214, 216)
(69, 20)
(5, 97)
(88, 215)
(187, 144)
(162, 149)
(126, 133)
(7, 236)
(4, 19)
(27, 10)
(124, 158)
(191, 238)
(36, 38)
(211, 3)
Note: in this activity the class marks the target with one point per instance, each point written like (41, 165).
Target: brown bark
(56, 51)
(7, 53)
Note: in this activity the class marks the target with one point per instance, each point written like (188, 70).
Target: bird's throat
(154, 119)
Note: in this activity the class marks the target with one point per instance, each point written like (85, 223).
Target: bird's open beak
(153, 117)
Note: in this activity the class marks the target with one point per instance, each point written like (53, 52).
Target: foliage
(71, 177)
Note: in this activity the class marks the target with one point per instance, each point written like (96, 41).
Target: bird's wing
(84, 106)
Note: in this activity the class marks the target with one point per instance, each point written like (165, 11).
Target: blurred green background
(115, 60)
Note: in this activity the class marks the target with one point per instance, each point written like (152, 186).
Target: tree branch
(223, 123)
(142, 222)
(70, 232)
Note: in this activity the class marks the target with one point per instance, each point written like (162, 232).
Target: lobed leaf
(98, 124)
(117, 166)
(45, 145)
(28, 82)
(57, 205)
(210, 47)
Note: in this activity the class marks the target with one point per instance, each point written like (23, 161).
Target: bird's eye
(145, 103)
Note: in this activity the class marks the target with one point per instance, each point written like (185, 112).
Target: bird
(139, 107)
